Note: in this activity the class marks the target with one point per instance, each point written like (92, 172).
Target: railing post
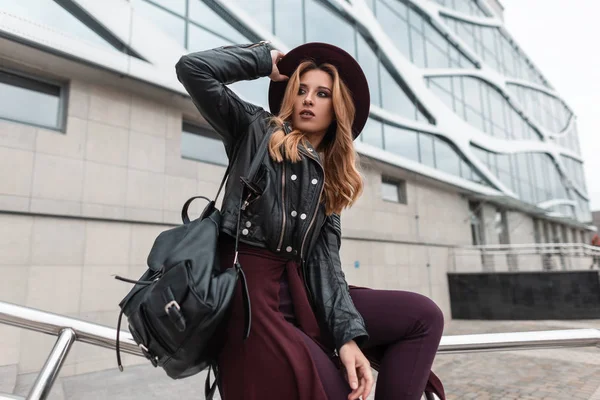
(41, 388)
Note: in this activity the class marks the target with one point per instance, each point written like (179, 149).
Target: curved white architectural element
(161, 52)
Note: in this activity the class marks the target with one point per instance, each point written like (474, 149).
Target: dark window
(31, 101)
(393, 190)
(201, 144)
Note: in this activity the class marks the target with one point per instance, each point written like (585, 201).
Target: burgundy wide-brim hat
(349, 70)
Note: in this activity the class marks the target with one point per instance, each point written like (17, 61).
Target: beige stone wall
(120, 158)
(404, 246)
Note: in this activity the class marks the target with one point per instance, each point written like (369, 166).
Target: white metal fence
(524, 257)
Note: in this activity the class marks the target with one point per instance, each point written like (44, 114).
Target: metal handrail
(69, 330)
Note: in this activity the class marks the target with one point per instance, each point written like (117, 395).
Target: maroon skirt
(286, 355)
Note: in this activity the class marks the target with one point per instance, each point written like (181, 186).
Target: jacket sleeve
(330, 290)
(205, 74)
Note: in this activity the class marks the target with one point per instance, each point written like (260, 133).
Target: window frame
(63, 98)
(204, 131)
(401, 188)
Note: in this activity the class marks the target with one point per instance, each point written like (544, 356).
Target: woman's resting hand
(358, 370)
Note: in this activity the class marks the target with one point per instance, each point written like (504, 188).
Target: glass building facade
(515, 105)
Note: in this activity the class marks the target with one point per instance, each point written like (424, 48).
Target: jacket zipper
(283, 219)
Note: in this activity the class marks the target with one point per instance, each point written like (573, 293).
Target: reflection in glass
(370, 66)
(483, 107)
(260, 10)
(288, 22)
(492, 46)
(200, 39)
(426, 149)
(168, 23)
(205, 16)
(534, 177)
(372, 133)
(324, 24)
(464, 6)
(49, 13)
(393, 97)
(201, 145)
(395, 25)
(177, 6)
(401, 142)
(255, 91)
(548, 111)
(446, 158)
(29, 101)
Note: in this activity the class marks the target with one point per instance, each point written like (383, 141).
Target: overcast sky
(562, 38)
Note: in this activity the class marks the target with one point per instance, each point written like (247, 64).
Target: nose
(307, 101)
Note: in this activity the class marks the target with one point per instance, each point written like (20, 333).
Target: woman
(307, 324)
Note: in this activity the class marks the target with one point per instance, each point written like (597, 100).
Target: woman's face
(313, 105)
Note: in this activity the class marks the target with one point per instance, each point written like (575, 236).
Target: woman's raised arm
(205, 74)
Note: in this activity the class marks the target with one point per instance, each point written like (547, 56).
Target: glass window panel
(372, 133)
(474, 118)
(177, 6)
(168, 23)
(390, 192)
(201, 146)
(395, 27)
(53, 15)
(426, 149)
(415, 19)
(436, 58)
(205, 16)
(397, 6)
(402, 142)
(255, 91)
(417, 48)
(488, 37)
(442, 94)
(446, 158)
(370, 66)
(289, 22)
(322, 24)
(472, 93)
(260, 10)
(393, 97)
(30, 101)
(466, 171)
(200, 39)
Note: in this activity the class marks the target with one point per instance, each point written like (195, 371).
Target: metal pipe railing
(71, 329)
(47, 376)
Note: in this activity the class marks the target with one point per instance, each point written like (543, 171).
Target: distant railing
(70, 330)
(524, 257)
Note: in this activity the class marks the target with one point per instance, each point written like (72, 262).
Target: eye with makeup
(320, 93)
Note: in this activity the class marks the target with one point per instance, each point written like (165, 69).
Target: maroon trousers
(286, 355)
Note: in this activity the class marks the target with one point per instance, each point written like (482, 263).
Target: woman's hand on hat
(276, 76)
(358, 370)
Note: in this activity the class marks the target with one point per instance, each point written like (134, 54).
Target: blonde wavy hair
(343, 182)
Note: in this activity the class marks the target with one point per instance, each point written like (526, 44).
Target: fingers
(351, 374)
(369, 381)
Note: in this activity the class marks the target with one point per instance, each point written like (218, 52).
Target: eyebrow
(320, 87)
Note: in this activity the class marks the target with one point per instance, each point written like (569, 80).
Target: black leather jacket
(288, 217)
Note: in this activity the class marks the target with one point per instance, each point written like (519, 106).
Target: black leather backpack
(178, 304)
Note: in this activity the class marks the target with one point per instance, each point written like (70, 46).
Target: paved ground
(531, 374)
(539, 374)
